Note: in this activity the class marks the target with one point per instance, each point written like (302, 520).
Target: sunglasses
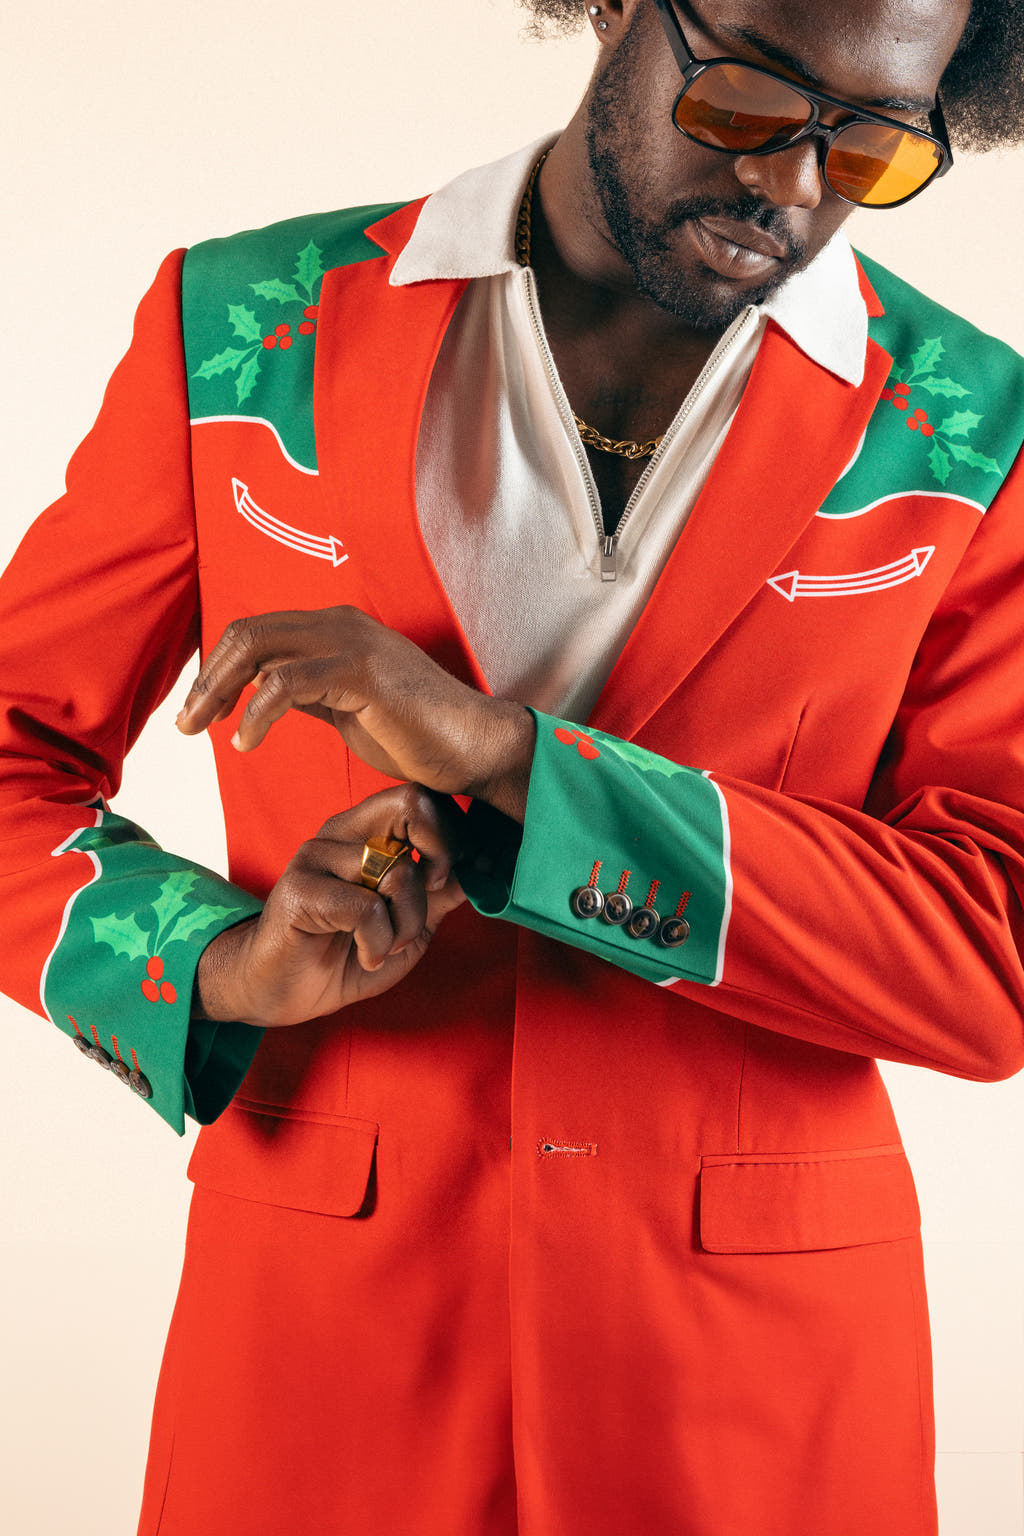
(742, 109)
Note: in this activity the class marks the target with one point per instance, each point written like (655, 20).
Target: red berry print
(282, 330)
(285, 343)
(168, 993)
(154, 967)
(150, 990)
(270, 342)
(927, 430)
(898, 395)
(307, 328)
(311, 311)
(913, 423)
(583, 743)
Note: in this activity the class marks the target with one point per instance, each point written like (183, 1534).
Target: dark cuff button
(140, 1084)
(83, 1045)
(644, 923)
(587, 901)
(673, 932)
(120, 1071)
(617, 907)
(101, 1057)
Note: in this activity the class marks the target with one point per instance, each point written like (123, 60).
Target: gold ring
(379, 854)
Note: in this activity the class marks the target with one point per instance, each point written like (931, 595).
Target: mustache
(744, 209)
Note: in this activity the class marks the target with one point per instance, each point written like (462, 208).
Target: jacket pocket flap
(792, 1202)
(294, 1158)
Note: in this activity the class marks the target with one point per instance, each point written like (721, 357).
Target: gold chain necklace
(589, 435)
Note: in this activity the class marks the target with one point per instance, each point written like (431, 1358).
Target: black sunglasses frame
(691, 68)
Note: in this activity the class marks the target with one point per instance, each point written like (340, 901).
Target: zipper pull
(609, 544)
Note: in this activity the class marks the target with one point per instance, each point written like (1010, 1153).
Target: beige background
(135, 128)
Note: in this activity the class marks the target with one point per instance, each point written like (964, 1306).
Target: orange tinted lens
(732, 107)
(878, 166)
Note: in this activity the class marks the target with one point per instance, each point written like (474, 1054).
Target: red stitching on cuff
(652, 893)
(595, 871)
(624, 880)
(683, 903)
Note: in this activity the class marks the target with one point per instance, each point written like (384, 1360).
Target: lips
(737, 250)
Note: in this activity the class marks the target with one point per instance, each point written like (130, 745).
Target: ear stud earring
(595, 10)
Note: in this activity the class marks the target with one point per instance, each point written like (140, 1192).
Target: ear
(611, 19)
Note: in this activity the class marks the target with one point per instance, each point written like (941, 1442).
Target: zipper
(565, 411)
(608, 543)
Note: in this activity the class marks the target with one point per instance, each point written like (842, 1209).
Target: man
(688, 1296)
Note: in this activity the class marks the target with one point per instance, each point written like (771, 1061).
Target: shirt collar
(467, 230)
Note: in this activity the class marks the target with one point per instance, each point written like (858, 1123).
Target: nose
(789, 178)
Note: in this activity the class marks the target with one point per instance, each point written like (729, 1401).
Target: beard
(702, 300)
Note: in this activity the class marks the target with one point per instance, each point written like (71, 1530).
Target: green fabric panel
(951, 417)
(249, 307)
(630, 809)
(125, 965)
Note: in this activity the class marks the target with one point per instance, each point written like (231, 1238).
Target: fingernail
(236, 742)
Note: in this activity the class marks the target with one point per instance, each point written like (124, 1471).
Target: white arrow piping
(794, 584)
(328, 548)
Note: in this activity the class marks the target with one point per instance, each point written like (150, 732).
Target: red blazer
(530, 1243)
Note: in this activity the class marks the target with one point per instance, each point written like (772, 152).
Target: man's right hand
(323, 940)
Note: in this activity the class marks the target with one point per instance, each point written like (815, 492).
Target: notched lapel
(795, 432)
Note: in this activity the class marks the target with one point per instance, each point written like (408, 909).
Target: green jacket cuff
(120, 978)
(622, 853)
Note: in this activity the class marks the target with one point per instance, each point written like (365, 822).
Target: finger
(431, 823)
(243, 649)
(441, 902)
(404, 890)
(314, 899)
(316, 685)
(401, 893)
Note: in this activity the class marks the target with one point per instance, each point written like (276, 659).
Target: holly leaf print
(959, 424)
(123, 934)
(246, 381)
(947, 387)
(927, 355)
(172, 900)
(940, 464)
(647, 762)
(273, 288)
(244, 323)
(199, 918)
(896, 375)
(222, 363)
(309, 268)
(964, 454)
